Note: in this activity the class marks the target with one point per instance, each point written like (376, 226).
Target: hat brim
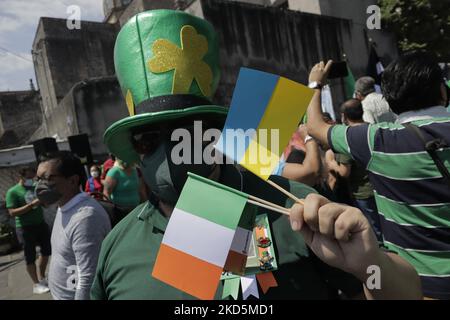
(118, 136)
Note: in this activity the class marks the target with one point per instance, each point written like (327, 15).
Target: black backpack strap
(431, 147)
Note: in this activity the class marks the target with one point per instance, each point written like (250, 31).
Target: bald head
(352, 111)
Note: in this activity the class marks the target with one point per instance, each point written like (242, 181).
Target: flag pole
(287, 193)
(259, 204)
(270, 204)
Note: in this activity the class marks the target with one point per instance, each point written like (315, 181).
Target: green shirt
(17, 197)
(358, 180)
(129, 252)
(412, 197)
(126, 191)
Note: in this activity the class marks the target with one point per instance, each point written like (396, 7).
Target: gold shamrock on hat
(187, 61)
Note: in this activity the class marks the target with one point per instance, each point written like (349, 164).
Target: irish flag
(201, 238)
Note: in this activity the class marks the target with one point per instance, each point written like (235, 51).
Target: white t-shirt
(376, 109)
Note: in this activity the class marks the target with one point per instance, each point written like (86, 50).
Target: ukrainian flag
(264, 113)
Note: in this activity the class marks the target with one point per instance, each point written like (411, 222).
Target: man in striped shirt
(412, 196)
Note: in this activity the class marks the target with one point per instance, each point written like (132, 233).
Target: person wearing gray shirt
(80, 226)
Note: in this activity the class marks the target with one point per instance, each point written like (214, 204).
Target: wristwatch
(315, 85)
(308, 138)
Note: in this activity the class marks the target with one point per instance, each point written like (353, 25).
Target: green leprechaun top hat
(167, 64)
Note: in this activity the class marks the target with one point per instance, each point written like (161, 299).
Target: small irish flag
(201, 238)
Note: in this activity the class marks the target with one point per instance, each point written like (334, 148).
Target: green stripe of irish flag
(212, 201)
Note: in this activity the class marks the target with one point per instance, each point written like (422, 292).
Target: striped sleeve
(354, 141)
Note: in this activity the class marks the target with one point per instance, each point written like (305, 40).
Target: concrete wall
(63, 57)
(285, 42)
(278, 41)
(137, 6)
(113, 9)
(94, 105)
(21, 116)
(2, 129)
(356, 11)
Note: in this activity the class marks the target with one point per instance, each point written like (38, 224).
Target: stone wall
(137, 6)
(64, 57)
(283, 42)
(94, 105)
(21, 116)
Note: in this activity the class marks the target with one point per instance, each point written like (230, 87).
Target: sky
(18, 24)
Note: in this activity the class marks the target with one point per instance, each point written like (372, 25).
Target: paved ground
(15, 284)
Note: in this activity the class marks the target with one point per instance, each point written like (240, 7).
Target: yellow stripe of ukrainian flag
(284, 111)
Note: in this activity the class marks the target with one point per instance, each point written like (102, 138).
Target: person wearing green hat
(168, 67)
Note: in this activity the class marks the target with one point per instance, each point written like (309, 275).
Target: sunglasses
(147, 141)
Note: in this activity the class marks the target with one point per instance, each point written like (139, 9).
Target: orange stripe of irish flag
(187, 273)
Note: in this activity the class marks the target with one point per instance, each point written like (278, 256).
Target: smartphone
(338, 70)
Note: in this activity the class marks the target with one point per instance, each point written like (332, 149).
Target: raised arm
(309, 171)
(343, 170)
(317, 127)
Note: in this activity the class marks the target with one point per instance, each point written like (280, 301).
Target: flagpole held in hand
(287, 193)
(259, 204)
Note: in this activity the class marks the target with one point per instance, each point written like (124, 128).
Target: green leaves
(419, 24)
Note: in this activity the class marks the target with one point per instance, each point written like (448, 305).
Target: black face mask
(47, 193)
(166, 179)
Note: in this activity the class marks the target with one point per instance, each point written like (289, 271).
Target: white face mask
(28, 182)
(95, 174)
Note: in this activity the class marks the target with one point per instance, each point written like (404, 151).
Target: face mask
(95, 174)
(165, 179)
(47, 193)
(28, 183)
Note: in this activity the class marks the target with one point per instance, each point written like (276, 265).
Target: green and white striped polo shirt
(412, 197)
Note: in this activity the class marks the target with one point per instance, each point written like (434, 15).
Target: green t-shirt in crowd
(126, 191)
(359, 183)
(129, 252)
(17, 197)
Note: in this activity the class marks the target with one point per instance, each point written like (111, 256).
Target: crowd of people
(375, 186)
(81, 222)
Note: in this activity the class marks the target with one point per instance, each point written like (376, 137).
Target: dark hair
(95, 166)
(296, 156)
(326, 116)
(412, 82)
(68, 164)
(352, 110)
(23, 171)
(365, 85)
